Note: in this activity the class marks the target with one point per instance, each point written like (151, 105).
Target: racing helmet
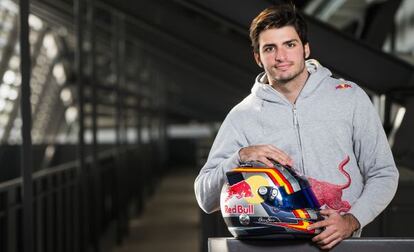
(268, 202)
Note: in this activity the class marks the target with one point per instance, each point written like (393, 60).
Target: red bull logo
(240, 190)
(343, 86)
(239, 209)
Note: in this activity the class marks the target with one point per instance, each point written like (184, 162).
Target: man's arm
(223, 157)
(379, 172)
(375, 161)
(226, 153)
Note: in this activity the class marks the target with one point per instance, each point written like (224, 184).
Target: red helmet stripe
(288, 186)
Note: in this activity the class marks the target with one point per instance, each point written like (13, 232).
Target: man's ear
(258, 61)
(307, 50)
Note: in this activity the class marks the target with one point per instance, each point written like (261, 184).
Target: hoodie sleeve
(374, 159)
(223, 157)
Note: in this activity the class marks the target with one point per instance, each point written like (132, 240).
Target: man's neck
(291, 89)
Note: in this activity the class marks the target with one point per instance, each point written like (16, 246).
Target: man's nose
(280, 55)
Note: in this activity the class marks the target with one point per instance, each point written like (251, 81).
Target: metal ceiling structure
(202, 49)
(187, 50)
(333, 48)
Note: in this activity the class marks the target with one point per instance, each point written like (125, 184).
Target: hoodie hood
(264, 91)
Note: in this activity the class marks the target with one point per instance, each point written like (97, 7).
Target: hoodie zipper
(296, 125)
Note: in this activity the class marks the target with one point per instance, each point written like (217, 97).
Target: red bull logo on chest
(239, 209)
(343, 86)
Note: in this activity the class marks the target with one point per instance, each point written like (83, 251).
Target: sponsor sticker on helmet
(239, 209)
(240, 190)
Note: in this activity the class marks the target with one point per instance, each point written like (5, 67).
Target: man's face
(282, 54)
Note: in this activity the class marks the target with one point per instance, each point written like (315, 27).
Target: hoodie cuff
(360, 218)
(357, 232)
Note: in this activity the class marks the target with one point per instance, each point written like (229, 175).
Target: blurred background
(108, 109)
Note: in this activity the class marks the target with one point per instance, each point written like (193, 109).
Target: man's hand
(337, 227)
(264, 154)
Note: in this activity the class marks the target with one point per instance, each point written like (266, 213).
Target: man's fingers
(282, 157)
(274, 156)
(319, 224)
(265, 161)
(327, 240)
(323, 235)
(331, 244)
(265, 153)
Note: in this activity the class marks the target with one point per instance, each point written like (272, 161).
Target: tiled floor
(170, 221)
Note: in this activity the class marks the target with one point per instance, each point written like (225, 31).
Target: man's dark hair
(278, 16)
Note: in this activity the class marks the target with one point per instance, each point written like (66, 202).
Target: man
(298, 115)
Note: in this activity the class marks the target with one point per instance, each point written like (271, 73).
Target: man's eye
(290, 45)
(268, 49)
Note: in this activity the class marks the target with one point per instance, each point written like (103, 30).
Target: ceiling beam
(343, 54)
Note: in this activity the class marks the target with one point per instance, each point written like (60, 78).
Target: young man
(297, 114)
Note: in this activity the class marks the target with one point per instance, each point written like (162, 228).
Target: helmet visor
(304, 198)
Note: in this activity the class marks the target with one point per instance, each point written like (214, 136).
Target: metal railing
(70, 206)
(65, 212)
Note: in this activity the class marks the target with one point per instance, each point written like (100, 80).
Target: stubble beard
(282, 80)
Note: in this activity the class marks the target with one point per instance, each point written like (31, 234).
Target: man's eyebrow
(270, 44)
(290, 41)
(286, 42)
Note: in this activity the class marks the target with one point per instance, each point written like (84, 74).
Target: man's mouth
(283, 66)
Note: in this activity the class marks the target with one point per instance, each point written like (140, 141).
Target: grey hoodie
(332, 125)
